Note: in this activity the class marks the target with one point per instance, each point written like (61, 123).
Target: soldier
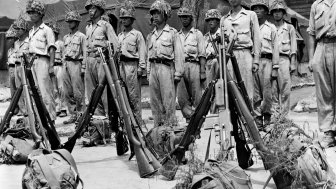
(269, 57)
(165, 65)
(189, 90)
(321, 50)
(58, 69)
(132, 52)
(74, 67)
(42, 44)
(21, 46)
(212, 18)
(287, 56)
(11, 36)
(98, 34)
(247, 45)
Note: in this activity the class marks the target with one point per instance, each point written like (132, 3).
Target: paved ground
(100, 167)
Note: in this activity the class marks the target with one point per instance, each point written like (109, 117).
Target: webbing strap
(47, 172)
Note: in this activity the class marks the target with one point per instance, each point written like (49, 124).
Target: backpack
(15, 150)
(50, 170)
(226, 175)
(98, 132)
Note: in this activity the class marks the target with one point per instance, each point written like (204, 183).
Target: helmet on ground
(21, 23)
(35, 5)
(263, 3)
(11, 32)
(98, 3)
(73, 16)
(185, 11)
(161, 6)
(278, 5)
(213, 14)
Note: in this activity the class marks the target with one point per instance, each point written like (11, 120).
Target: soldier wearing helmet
(74, 67)
(20, 47)
(189, 90)
(164, 65)
(269, 57)
(247, 45)
(212, 18)
(42, 44)
(287, 45)
(321, 51)
(11, 36)
(98, 34)
(132, 50)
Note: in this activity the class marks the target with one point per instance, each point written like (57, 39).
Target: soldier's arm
(83, 48)
(112, 37)
(178, 54)
(51, 48)
(312, 33)
(255, 37)
(275, 44)
(292, 34)
(201, 53)
(142, 51)
(147, 55)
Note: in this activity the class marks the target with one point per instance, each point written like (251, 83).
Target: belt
(327, 40)
(164, 61)
(72, 59)
(18, 63)
(58, 64)
(40, 56)
(210, 57)
(282, 54)
(191, 59)
(266, 55)
(127, 59)
(11, 65)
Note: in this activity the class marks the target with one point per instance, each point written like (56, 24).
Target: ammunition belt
(127, 59)
(11, 65)
(327, 40)
(164, 61)
(72, 59)
(266, 55)
(285, 55)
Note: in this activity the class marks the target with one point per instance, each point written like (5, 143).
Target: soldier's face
(278, 15)
(72, 24)
(186, 20)
(126, 21)
(20, 32)
(94, 12)
(10, 42)
(260, 11)
(34, 16)
(158, 17)
(235, 3)
(213, 23)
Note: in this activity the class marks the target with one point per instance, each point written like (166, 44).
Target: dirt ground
(100, 167)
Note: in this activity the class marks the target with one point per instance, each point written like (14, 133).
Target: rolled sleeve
(141, 50)
(178, 54)
(256, 38)
(50, 38)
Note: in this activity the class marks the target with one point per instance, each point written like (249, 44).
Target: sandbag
(98, 132)
(50, 170)
(15, 150)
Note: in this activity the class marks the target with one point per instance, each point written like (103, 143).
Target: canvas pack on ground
(19, 129)
(225, 175)
(98, 132)
(15, 150)
(51, 170)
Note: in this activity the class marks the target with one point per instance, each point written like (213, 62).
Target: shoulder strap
(67, 156)
(47, 172)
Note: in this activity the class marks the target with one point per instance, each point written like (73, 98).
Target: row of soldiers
(176, 63)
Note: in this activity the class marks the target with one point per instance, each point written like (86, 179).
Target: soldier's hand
(310, 66)
(51, 71)
(255, 67)
(177, 79)
(275, 73)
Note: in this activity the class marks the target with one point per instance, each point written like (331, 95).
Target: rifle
(44, 116)
(10, 111)
(147, 162)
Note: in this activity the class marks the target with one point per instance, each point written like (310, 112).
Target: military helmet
(11, 32)
(98, 3)
(20, 23)
(73, 16)
(278, 5)
(35, 5)
(161, 6)
(185, 11)
(213, 14)
(127, 10)
(263, 3)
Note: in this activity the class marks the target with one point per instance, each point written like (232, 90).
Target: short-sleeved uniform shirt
(74, 46)
(287, 39)
(269, 41)
(193, 44)
(20, 48)
(41, 39)
(132, 45)
(209, 49)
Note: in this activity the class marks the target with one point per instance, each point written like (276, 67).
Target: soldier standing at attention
(165, 65)
(11, 36)
(189, 90)
(74, 67)
(98, 34)
(269, 57)
(21, 46)
(287, 56)
(247, 45)
(212, 18)
(321, 51)
(59, 69)
(132, 52)
(42, 44)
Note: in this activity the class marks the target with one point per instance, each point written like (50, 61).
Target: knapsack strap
(47, 172)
